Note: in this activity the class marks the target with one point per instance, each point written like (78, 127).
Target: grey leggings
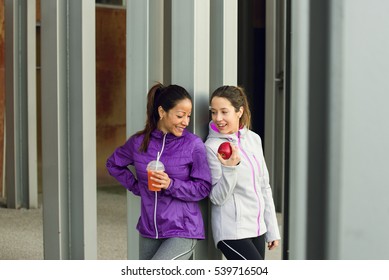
(166, 249)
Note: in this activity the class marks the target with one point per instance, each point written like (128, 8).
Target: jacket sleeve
(224, 178)
(117, 167)
(270, 216)
(199, 184)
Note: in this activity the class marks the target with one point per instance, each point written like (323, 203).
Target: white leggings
(166, 249)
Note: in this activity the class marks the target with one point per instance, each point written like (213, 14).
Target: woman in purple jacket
(170, 222)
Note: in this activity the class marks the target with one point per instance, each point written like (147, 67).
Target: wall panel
(2, 92)
(110, 86)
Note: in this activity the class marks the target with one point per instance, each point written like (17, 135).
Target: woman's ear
(240, 111)
(161, 112)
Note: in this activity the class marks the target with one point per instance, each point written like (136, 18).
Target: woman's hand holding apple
(228, 154)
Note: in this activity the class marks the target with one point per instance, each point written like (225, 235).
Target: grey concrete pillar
(338, 164)
(190, 56)
(190, 69)
(69, 129)
(21, 170)
(299, 130)
(224, 43)
(275, 98)
(144, 68)
(223, 66)
(358, 152)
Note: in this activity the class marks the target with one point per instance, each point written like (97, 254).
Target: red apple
(225, 150)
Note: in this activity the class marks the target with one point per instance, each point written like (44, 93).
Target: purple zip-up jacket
(173, 212)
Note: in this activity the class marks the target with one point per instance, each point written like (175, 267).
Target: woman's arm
(117, 167)
(224, 178)
(199, 185)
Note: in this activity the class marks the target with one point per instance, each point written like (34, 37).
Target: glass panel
(111, 2)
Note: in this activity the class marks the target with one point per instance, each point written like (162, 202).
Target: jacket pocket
(230, 210)
(237, 208)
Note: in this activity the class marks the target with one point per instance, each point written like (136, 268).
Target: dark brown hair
(238, 98)
(159, 95)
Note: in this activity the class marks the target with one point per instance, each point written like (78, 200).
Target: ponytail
(151, 116)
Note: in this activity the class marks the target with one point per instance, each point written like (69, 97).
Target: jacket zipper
(156, 193)
(255, 187)
(155, 215)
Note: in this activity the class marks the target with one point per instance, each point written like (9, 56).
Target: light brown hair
(238, 98)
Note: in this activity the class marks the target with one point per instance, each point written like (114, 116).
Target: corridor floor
(21, 231)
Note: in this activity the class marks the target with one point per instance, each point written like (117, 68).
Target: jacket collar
(169, 137)
(234, 137)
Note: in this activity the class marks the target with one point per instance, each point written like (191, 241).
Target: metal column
(69, 129)
(299, 131)
(144, 68)
(357, 135)
(223, 65)
(21, 116)
(339, 136)
(190, 69)
(224, 43)
(275, 99)
(190, 56)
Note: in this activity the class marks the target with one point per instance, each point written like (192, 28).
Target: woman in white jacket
(243, 212)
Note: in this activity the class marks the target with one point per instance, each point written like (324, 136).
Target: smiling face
(224, 115)
(176, 119)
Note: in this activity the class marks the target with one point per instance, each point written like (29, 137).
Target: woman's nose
(218, 117)
(185, 121)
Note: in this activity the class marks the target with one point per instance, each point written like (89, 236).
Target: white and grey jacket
(241, 196)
